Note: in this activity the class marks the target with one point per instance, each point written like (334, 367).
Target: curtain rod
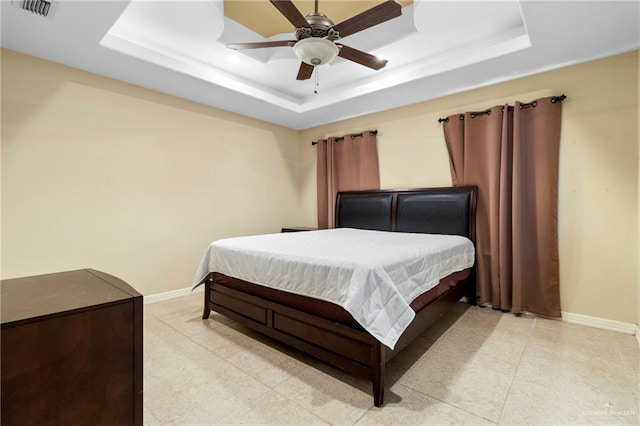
(352, 136)
(554, 99)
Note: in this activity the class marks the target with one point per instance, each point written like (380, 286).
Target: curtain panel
(347, 163)
(512, 155)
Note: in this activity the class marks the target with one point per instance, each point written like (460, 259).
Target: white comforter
(373, 275)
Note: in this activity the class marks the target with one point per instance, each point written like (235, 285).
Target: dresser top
(42, 295)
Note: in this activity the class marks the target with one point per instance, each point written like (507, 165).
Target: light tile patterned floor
(475, 366)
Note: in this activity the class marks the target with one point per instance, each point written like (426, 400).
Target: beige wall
(98, 173)
(598, 205)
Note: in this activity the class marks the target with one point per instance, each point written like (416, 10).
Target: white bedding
(373, 275)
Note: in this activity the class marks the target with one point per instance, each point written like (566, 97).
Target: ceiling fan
(316, 36)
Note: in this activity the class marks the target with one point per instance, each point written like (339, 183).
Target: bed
(329, 325)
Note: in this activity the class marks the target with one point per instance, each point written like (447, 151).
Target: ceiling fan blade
(305, 71)
(360, 57)
(260, 44)
(291, 12)
(374, 16)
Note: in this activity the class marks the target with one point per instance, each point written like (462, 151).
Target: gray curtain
(511, 154)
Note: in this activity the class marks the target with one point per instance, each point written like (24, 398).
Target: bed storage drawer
(342, 345)
(324, 338)
(239, 306)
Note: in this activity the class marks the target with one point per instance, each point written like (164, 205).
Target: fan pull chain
(317, 73)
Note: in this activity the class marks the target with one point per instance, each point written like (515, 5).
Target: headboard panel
(365, 211)
(449, 210)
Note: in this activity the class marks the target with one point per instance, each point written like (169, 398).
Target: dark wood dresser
(71, 350)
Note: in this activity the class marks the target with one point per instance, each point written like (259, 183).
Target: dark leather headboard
(449, 210)
(366, 210)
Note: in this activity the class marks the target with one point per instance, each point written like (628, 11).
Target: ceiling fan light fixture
(315, 50)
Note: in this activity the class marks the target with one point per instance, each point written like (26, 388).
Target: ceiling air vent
(44, 8)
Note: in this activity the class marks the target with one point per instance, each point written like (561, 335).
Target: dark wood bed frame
(429, 210)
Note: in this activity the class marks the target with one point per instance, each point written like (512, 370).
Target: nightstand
(298, 229)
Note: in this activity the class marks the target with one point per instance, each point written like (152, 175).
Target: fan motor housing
(320, 27)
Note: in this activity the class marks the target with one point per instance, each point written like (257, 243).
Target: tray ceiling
(435, 48)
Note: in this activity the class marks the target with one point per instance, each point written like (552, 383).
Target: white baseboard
(161, 297)
(605, 324)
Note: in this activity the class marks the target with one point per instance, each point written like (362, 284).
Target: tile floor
(475, 366)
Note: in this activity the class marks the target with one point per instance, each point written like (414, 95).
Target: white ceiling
(435, 48)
